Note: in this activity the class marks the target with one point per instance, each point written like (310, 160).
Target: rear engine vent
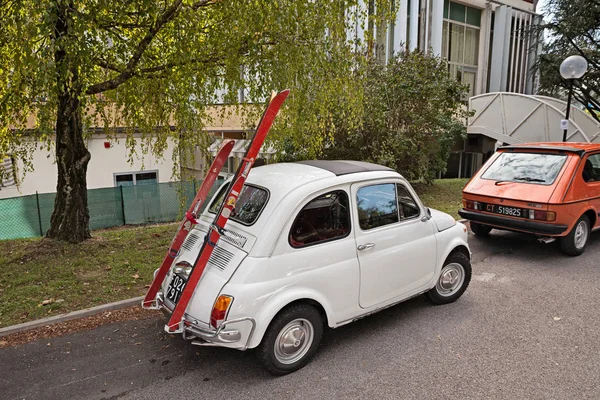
(234, 238)
(220, 258)
(190, 241)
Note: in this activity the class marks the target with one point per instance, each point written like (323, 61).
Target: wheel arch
(592, 216)
(278, 304)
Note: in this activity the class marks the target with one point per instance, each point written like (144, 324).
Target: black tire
(573, 244)
(479, 229)
(438, 294)
(270, 355)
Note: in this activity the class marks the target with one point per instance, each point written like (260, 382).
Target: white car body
(260, 269)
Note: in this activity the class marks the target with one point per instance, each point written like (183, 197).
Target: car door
(591, 178)
(395, 241)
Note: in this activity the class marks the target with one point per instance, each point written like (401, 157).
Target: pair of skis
(175, 324)
(188, 222)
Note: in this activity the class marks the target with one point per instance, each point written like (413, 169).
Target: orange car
(548, 189)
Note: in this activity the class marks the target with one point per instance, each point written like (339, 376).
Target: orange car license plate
(504, 210)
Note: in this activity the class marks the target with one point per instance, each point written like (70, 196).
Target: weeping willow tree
(154, 66)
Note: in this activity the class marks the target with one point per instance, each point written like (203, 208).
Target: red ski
(175, 324)
(188, 222)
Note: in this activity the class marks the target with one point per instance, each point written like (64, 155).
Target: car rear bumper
(539, 228)
(206, 335)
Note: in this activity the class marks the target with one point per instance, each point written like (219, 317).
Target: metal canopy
(514, 118)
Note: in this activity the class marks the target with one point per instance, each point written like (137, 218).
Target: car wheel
(575, 242)
(480, 230)
(452, 281)
(291, 340)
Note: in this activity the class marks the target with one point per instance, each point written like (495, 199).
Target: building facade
(490, 46)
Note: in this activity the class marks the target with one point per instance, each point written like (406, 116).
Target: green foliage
(411, 114)
(572, 28)
(147, 65)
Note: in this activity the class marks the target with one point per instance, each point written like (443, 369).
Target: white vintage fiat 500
(311, 244)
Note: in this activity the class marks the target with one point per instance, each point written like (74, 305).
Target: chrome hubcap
(294, 340)
(451, 279)
(581, 234)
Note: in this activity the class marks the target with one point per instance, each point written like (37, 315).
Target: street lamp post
(573, 67)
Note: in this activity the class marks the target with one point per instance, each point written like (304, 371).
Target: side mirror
(427, 217)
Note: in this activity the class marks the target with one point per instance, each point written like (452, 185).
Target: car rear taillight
(541, 215)
(473, 205)
(219, 311)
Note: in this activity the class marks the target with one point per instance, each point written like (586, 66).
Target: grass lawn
(40, 278)
(443, 194)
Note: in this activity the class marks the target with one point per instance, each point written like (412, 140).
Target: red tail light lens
(473, 205)
(219, 311)
(540, 215)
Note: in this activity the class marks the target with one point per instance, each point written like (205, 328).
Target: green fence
(29, 216)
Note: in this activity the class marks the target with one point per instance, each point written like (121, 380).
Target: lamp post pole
(573, 67)
(568, 109)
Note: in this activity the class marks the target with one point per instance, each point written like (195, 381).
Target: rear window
(536, 168)
(248, 207)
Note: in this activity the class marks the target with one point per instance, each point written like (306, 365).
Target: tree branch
(130, 69)
(109, 66)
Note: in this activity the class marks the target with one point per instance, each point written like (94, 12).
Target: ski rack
(188, 223)
(216, 229)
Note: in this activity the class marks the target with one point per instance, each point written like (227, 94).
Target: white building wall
(105, 162)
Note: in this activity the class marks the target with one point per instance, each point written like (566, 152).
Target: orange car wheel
(575, 242)
(479, 229)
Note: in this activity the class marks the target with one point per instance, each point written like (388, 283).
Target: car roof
(276, 177)
(572, 147)
(345, 167)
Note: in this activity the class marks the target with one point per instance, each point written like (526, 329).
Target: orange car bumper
(500, 221)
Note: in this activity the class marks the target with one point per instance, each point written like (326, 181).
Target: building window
(460, 42)
(7, 172)
(136, 178)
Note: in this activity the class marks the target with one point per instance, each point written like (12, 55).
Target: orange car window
(536, 168)
(591, 169)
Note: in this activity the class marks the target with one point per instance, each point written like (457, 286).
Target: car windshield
(248, 207)
(536, 168)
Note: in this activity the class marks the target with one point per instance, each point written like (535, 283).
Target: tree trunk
(70, 219)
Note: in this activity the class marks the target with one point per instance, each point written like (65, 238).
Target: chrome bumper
(202, 336)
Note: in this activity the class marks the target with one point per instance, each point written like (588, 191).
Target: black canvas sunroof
(344, 167)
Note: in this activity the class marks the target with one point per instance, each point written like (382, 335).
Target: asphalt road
(527, 327)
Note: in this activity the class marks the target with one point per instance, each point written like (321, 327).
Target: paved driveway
(528, 327)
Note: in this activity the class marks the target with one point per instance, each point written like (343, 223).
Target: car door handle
(365, 246)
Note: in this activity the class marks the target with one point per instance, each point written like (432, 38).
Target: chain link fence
(29, 216)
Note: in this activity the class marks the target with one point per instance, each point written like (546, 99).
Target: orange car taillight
(541, 215)
(219, 311)
(473, 205)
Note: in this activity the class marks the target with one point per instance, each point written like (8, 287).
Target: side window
(377, 205)
(407, 205)
(591, 168)
(324, 218)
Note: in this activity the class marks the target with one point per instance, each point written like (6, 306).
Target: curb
(69, 316)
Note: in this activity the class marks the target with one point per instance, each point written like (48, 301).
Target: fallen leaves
(76, 325)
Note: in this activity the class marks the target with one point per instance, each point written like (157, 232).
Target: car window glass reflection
(249, 204)
(535, 168)
(377, 206)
